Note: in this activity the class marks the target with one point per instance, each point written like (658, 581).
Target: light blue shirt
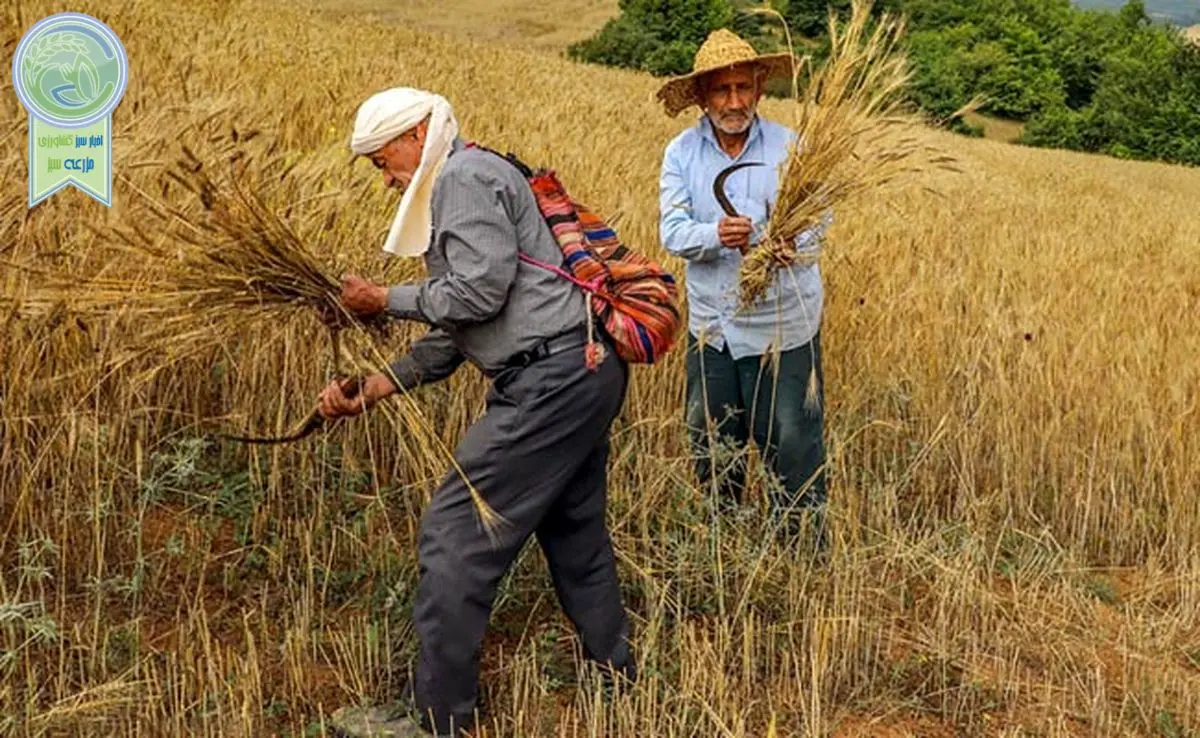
(789, 314)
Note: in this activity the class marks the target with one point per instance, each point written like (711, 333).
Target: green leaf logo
(69, 69)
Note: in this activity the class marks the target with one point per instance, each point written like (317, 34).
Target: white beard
(733, 130)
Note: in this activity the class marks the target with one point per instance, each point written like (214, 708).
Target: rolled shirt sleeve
(681, 234)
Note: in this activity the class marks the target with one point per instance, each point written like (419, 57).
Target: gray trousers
(538, 457)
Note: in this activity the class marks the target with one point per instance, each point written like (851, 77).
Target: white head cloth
(386, 115)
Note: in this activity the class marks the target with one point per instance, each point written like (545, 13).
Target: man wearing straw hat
(537, 457)
(751, 373)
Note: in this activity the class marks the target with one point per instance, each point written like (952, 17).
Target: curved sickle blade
(310, 424)
(719, 186)
(350, 388)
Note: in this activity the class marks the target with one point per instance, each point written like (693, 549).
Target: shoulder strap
(510, 157)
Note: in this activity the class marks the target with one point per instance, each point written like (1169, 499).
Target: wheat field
(1011, 403)
(546, 26)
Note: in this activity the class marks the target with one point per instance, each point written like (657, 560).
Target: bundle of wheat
(211, 267)
(855, 133)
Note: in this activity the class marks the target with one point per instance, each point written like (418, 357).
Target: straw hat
(723, 48)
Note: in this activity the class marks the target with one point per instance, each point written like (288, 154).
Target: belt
(576, 338)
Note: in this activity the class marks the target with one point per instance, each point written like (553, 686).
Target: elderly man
(754, 372)
(538, 456)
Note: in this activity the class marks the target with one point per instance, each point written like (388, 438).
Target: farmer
(752, 373)
(537, 457)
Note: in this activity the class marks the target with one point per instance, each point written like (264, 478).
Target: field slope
(548, 26)
(1011, 397)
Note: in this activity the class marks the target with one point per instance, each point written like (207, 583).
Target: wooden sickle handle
(350, 387)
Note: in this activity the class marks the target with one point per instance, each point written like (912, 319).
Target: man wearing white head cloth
(539, 454)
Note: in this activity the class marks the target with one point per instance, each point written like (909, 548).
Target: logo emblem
(70, 71)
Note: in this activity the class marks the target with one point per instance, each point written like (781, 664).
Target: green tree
(1079, 53)
(810, 17)
(1112, 83)
(1146, 106)
(1015, 70)
(941, 84)
(1133, 14)
(657, 36)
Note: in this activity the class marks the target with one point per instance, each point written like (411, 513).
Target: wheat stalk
(855, 133)
(208, 269)
(233, 262)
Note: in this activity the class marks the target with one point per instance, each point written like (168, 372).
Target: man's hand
(334, 404)
(363, 297)
(735, 233)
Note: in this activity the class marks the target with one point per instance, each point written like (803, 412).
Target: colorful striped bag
(633, 298)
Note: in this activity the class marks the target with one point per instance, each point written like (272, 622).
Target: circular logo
(70, 70)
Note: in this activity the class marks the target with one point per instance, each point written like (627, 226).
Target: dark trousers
(764, 397)
(538, 457)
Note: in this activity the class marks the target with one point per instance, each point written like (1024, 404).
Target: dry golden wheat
(1010, 403)
(855, 134)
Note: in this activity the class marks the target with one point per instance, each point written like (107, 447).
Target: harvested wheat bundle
(207, 267)
(253, 261)
(236, 253)
(855, 133)
(212, 266)
(210, 269)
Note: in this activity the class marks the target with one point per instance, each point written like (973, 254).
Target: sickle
(350, 388)
(314, 420)
(719, 186)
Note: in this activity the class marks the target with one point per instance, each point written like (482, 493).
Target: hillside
(1010, 397)
(551, 25)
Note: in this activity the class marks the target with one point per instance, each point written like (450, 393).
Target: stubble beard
(729, 127)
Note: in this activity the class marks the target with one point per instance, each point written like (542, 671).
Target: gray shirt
(483, 304)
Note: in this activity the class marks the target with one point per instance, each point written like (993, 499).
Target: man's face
(731, 97)
(400, 157)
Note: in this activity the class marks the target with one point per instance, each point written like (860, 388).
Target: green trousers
(730, 401)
